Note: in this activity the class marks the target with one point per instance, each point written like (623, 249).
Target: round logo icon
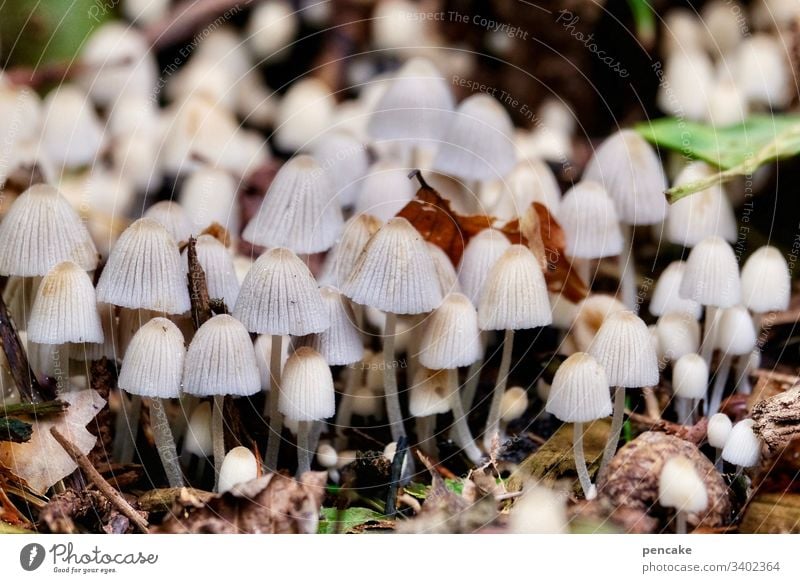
(31, 556)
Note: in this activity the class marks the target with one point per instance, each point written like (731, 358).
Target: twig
(34, 409)
(778, 377)
(198, 288)
(694, 433)
(187, 16)
(94, 476)
(397, 472)
(28, 386)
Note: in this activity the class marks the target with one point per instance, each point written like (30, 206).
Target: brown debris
(777, 419)
(693, 433)
(102, 377)
(198, 289)
(27, 384)
(772, 514)
(632, 477)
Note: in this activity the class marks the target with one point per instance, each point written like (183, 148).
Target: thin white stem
(317, 427)
(719, 384)
(680, 522)
(303, 447)
(709, 331)
(616, 429)
(463, 436)
(275, 417)
(127, 427)
(390, 379)
(344, 414)
(718, 459)
(628, 287)
(473, 379)
(165, 444)
(682, 410)
(743, 384)
(580, 461)
(493, 420)
(217, 436)
(425, 435)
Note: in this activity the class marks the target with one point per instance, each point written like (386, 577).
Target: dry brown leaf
(42, 462)
(273, 503)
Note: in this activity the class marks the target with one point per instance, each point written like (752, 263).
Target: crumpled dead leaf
(271, 504)
(42, 462)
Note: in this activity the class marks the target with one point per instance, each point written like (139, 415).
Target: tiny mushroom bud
(666, 295)
(303, 114)
(681, 487)
(271, 29)
(743, 447)
(718, 431)
(766, 282)
(539, 510)
(238, 467)
(689, 383)
(198, 440)
(678, 334)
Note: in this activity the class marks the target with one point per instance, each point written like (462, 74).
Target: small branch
(94, 476)
(28, 386)
(694, 433)
(397, 472)
(417, 173)
(198, 288)
(787, 379)
(34, 409)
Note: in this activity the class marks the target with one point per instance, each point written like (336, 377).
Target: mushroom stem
(616, 429)
(275, 417)
(709, 326)
(344, 413)
(627, 281)
(718, 459)
(720, 381)
(680, 522)
(317, 427)
(303, 447)
(390, 379)
(474, 375)
(683, 410)
(463, 436)
(127, 428)
(493, 421)
(580, 461)
(217, 436)
(425, 431)
(165, 444)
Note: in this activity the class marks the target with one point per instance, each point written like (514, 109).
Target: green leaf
(645, 20)
(345, 521)
(737, 150)
(454, 485)
(418, 491)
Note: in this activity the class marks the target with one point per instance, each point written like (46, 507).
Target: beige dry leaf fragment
(42, 462)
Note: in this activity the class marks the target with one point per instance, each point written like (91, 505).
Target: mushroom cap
(385, 190)
(711, 276)
(341, 342)
(445, 271)
(280, 296)
(71, 134)
(736, 335)
(540, 510)
(41, 229)
(263, 348)
(221, 360)
(579, 392)
(238, 466)
(89, 351)
(515, 293)
(415, 107)
(766, 281)
(153, 363)
(395, 273)
(530, 181)
(666, 294)
(629, 169)
(217, 264)
(144, 271)
(451, 337)
(342, 259)
(690, 377)
(345, 161)
(65, 308)
(704, 214)
(624, 348)
(307, 387)
(719, 429)
(681, 487)
(173, 218)
(590, 222)
(678, 333)
(480, 255)
(430, 392)
(743, 447)
(514, 404)
(588, 317)
(479, 141)
(299, 211)
(304, 112)
(198, 440)
(208, 195)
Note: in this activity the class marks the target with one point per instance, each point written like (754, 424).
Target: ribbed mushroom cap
(479, 141)
(681, 487)
(704, 214)
(515, 293)
(153, 363)
(343, 257)
(589, 316)
(40, 230)
(448, 278)
(736, 334)
(173, 218)
(298, 211)
(530, 181)
(666, 295)
(415, 107)
(766, 282)
(208, 195)
(385, 190)
(451, 337)
(144, 271)
(430, 393)
(341, 343)
(303, 114)
(307, 387)
(263, 348)
(711, 277)
(345, 161)
(395, 273)
(514, 403)
(90, 351)
(623, 347)
(279, 296)
(238, 466)
(590, 222)
(743, 447)
(220, 360)
(631, 173)
(480, 255)
(690, 377)
(198, 440)
(65, 308)
(678, 333)
(220, 272)
(72, 134)
(719, 429)
(579, 392)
